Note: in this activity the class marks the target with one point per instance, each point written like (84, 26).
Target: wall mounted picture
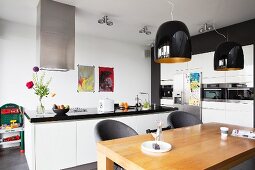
(106, 79)
(86, 78)
(195, 84)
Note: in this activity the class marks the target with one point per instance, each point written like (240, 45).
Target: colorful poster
(86, 78)
(106, 79)
(194, 79)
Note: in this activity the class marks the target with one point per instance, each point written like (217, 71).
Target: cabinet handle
(212, 108)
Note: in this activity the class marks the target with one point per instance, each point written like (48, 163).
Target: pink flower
(30, 84)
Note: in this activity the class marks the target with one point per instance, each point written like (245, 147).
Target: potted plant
(40, 87)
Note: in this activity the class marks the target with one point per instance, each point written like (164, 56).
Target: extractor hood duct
(55, 36)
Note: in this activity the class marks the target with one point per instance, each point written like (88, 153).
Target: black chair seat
(178, 119)
(112, 129)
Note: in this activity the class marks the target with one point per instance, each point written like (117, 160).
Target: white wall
(17, 58)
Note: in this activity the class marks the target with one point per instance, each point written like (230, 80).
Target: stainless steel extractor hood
(55, 36)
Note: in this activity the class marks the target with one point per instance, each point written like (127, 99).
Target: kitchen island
(58, 142)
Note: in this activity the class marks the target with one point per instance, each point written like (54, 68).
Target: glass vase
(40, 108)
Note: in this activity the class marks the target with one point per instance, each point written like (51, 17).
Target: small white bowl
(164, 147)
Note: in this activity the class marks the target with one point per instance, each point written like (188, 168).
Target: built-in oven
(238, 92)
(166, 91)
(178, 98)
(214, 92)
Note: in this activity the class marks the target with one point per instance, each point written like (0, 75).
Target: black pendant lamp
(228, 56)
(172, 43)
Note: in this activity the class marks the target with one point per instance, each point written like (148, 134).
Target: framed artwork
(86, 78)
(106, 79)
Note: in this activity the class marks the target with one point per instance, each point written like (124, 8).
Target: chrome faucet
(138, 103)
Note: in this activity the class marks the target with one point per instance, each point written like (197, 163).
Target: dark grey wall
(243, 33)
(155, 80)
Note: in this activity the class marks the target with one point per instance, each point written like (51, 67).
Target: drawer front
(213, 115)
(240, 118)
(244, 106)
(214, 105)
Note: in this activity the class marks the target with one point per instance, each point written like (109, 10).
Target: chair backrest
(179, 119)
(112, 129)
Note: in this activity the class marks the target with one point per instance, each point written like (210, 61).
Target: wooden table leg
(104, 163)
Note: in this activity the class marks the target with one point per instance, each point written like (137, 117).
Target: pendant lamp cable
(219, 33)
(172, 9)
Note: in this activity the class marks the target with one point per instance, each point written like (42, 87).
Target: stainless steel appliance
(187, 93)
(55, 31)
(239, 92)
(227, 92)
(166, 91)
(214, 92)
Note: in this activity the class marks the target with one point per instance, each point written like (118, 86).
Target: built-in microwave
(166, 91)
(214, 92)
(227, 92)
(239, 92)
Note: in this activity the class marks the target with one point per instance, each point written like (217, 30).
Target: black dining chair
(178, 119)
(112, 129)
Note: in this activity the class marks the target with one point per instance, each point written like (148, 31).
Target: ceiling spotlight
(109, 23)
(145, 30)
(205, 28)
(105, 20)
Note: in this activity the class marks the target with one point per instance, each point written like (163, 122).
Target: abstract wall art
(86, 78)
(106, 79)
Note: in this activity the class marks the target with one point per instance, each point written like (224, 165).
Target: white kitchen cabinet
(29, 143)
(167, 102)
(55, 145)
(231, 113)
(245, 105)
(86, 142)
(167, 71)
(213, 112)
(242, 118)
(163, 118)
(246, 74)
(248, 63)
(240, 79)
(196, 63)
(240, 113)
(213, 105)
(129, 120)
(208, 66)
(147, 122)
(65, 144)
(213, 115)
(213, 80)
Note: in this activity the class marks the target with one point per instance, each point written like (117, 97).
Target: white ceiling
(131, 15)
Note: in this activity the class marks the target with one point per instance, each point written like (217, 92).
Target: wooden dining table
(193, 147)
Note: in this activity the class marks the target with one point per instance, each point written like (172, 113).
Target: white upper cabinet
(246, 74)
(208, 67)
(205, 63)
(196, 63)
(248, 63)
(169, 70)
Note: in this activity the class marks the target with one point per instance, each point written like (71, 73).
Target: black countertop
(91, 113)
